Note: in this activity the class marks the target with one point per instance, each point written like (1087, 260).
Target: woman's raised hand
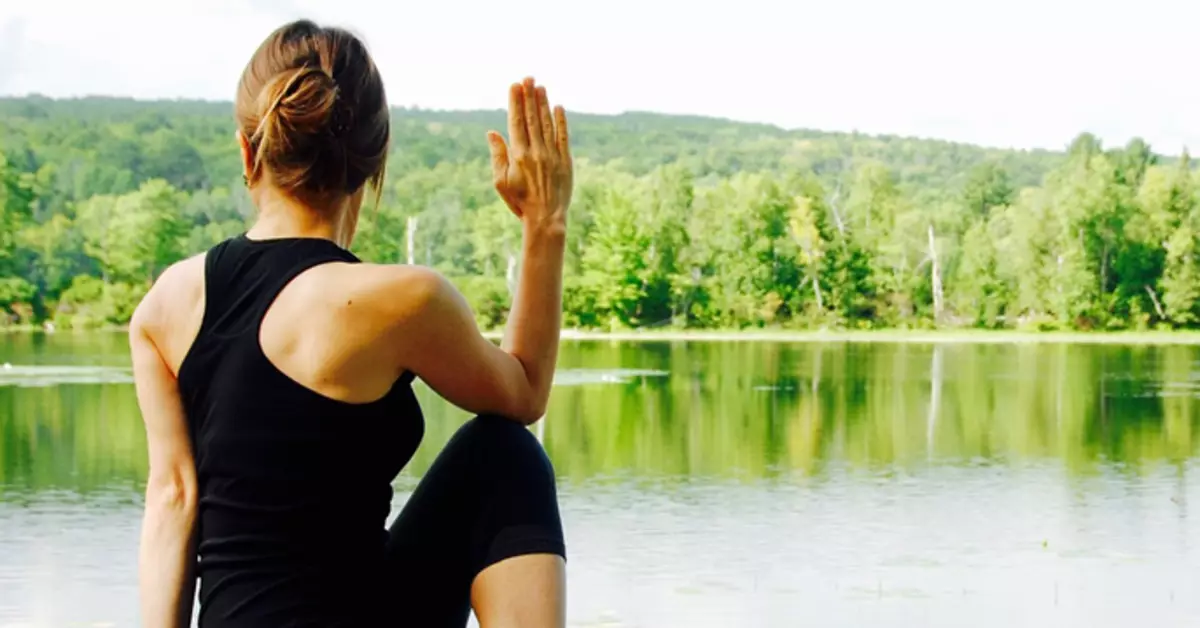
(534, 174)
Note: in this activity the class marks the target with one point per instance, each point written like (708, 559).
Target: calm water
(711, 484)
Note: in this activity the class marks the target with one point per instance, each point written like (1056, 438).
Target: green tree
(16, 202)
(988, 186)
(137, 235)
(1181, 279)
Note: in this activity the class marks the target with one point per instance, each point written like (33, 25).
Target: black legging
(489, 495)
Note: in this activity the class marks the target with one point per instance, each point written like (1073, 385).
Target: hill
(136, 135)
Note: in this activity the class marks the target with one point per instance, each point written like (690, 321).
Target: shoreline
(878, 336)
(894, 336)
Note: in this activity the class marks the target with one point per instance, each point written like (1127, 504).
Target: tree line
(679, 222)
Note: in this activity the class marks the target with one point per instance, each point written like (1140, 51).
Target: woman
(273, 373)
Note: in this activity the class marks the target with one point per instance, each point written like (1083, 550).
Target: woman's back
(273, 374)
(295, 486)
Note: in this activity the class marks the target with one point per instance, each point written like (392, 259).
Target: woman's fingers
(536, 141)
(533, 170)
(562, 138)
(548, 134)
(518, 134)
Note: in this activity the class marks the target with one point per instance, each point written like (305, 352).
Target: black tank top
(294, 487)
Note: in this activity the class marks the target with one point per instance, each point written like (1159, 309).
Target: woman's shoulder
(179, 283)
(373, 308)
(170, 312)
(396, 291)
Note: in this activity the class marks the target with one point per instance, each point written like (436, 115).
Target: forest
(678, 222)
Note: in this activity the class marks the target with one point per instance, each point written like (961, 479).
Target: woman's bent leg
(482, 528)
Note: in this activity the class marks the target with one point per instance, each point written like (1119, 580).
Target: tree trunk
(817, 290)
(832, 202)
(1157, 306)
(935, 273)
(1104, 272)
(410, 231)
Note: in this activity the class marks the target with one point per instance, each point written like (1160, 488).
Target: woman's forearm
(166, 560)
(535, 320)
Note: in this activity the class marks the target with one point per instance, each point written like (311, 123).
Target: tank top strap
(289, 260)
(243, 277)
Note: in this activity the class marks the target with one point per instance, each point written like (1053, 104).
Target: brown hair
(312, 105)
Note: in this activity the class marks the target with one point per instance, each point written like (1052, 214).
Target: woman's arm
(541, 146)
(439, 339)
(167, 554)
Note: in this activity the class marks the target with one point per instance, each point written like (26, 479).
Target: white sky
(1018, 73)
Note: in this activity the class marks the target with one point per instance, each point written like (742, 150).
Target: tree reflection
(744, 411)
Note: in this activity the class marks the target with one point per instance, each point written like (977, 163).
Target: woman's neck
(280, 216)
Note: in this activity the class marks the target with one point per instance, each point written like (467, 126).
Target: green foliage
(15, 295)
(489, 299)
(1181, 280)
(615, 265)
(677, 221)
(134, 236)
(91, 302)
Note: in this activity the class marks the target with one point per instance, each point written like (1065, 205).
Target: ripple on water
(584, 377)
(33, 376)
(29, 376)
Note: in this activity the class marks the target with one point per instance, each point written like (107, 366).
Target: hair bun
(301, 113)
(306, 101)
(312, 105)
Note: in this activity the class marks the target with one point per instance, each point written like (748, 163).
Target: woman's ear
(247, 155)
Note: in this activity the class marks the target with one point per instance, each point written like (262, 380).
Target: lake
(728, 484)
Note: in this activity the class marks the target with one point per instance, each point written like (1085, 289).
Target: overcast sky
(1018, 73)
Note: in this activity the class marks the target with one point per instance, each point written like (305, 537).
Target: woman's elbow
(527, 410)
(520, 400)
(172, 493)
(533, 416)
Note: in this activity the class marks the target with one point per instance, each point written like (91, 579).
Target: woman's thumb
(499, 157)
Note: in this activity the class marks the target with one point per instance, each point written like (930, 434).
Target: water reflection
(751, 410)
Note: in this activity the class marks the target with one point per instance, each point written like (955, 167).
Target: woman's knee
(492, 430)
(502, 445)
